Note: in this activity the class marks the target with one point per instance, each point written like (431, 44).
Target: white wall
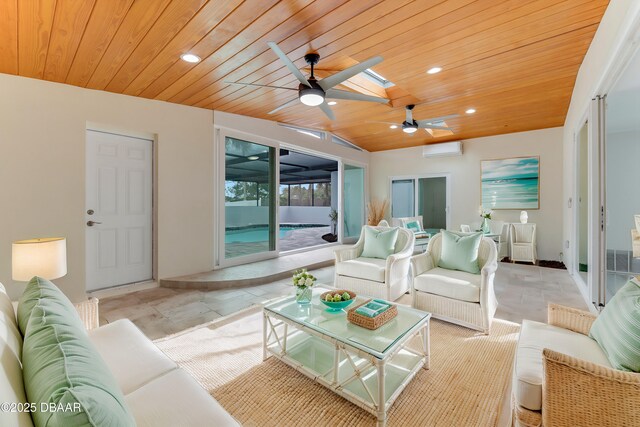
(597, 68)
(42, 171)
(305, 215)
(465, 179)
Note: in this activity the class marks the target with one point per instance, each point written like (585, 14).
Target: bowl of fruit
(336, 300)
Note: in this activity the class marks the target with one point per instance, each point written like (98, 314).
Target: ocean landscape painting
(511, 183)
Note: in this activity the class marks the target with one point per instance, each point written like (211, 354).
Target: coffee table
(370, 368)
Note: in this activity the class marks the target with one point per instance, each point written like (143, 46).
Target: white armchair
(501, 229)
(378, 278)
(523, 243)
(456, 296)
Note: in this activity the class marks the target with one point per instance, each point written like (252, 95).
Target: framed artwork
(510, 183)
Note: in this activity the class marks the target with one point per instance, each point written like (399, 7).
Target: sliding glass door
(250, 199)
(353, 214)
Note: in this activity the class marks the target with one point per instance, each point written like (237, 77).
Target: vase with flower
(303, 281)
(486, 216)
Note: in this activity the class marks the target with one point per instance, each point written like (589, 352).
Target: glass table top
(376, 342)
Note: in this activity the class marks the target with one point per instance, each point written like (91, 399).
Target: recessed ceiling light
(470, 111)
(393, 127)
(253, 157)
(332, 102)
(434, 70)
(190, 57)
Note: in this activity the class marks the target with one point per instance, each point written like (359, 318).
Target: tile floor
(523, 292)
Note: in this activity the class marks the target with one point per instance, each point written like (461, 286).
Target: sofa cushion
(528, 369)
(363, 268)
(176, 399)
(11, 385)
(460, 252)
(38, 288)
(453, 284)
(617, 328)
(62, 367)
(379, 243)
(130, 356)
(414, 226)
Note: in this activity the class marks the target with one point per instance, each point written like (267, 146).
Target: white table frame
(275, 344)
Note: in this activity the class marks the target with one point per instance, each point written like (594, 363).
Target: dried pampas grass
(376, 211)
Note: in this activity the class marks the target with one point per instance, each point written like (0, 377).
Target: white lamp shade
(46, 258)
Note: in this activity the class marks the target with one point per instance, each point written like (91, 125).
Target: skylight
(377, 78)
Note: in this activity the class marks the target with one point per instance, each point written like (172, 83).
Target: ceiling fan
(410, 125)
(313, 92)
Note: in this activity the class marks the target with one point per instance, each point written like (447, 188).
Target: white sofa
(378, 278)
(456, 296)
(157, 392)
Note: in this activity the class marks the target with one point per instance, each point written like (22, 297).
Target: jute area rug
(465, 386)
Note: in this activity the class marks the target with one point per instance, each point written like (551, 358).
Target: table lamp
(46, 258)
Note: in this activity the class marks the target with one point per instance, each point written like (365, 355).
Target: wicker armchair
(578, 392)
(378, 278)
(456, 296)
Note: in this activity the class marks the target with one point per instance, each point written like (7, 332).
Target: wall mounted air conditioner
(443, 150)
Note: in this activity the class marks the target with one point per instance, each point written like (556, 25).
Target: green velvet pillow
(63, 371)
(460, 252)
(379, 243)
(617, 328)
(37, 289)
(414, 226)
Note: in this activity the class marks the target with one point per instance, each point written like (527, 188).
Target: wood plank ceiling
(514, 61)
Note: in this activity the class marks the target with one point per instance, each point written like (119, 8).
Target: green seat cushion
(37, 289)
(460, 252)
(379, 243)
(62, 369)
(414, 226)
(617, 328)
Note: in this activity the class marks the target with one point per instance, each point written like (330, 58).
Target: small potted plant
(333, 216)
(486, 216)
(303, 281)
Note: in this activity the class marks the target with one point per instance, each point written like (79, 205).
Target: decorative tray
(371, 322)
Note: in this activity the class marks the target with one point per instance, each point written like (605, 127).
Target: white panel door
(118, 214)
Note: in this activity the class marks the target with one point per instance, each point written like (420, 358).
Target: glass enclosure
(402, 198)
(305, 198)
(353, 200)
(622, 180)
(426, 197)
(249, 198)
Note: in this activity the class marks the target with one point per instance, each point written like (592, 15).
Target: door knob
(92, 223)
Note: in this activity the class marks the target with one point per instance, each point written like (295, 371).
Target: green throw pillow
(37, 289)
(379, 243)
(414, 226)
(617, 328)
(460, 252)
(65, 375)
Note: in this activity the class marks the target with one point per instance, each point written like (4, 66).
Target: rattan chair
(572, 391)
(523, 243)
(378, 278)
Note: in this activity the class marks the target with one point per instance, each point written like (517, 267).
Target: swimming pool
(260, 234)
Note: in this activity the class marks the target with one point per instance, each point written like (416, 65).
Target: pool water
(250, 235)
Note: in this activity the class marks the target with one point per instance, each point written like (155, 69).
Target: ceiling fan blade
(353, 96)
(438, 119)
(327, 110)
(285, 105)
(427, 126)
(386, 123)
(290, 65)
(258, 85)
(334, 80)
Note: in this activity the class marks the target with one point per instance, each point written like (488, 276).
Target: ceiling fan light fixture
(409, 128)
(311, 96)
